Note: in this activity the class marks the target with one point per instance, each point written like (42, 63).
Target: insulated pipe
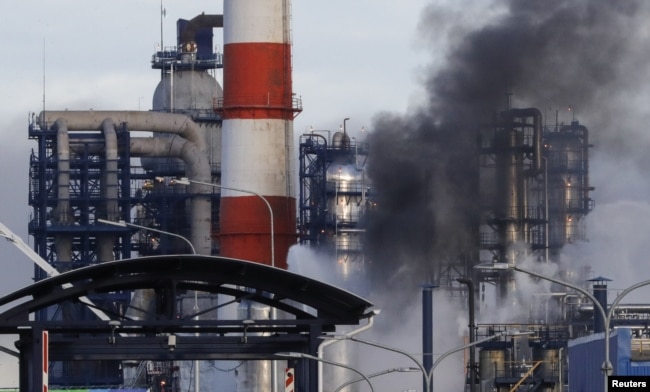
(427, 333)
(139, 121)
(192, 148)
(109, 189)
(62, 214)
(472, 332)
(189, 32)
(257, 134)
(197, 166)
(110, 183)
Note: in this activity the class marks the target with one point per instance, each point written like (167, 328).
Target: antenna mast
(163, 13)
(43, 125)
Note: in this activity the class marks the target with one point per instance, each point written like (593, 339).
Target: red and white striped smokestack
(257, 140)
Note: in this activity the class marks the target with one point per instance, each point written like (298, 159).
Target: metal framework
(311, 308)
(314, 162)
(139, 198)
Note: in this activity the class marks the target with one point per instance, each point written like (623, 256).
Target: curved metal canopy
(171, 274)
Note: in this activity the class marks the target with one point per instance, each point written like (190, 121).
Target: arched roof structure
(309, 308)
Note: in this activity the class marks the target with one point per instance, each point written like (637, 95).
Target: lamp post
(326, 343)
(607, 365)
(307, 356)
(128, 224)
(472, 333)
(380, 373)
(196, 304)
(187, 181)
(428, 376)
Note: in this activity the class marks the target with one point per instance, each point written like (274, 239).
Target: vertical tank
(187, 85)
(257, 140)
(511, 159)
(569, 202)
(347, 187)
(492, 364)
(549, 368)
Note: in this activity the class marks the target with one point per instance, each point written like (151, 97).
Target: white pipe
(197, 166)
(193, 150)
(171, 90)
(62, 214)
(321, 347)
(110, 183)
(109, 186)
(139, 121)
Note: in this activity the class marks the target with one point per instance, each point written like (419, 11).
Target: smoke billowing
(549, 55)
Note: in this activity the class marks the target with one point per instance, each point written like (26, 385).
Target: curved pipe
(191, 147)
(197, 166)
(138, 121)
(325, 343)
(189, 32)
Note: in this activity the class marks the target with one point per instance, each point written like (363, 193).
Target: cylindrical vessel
(257, 142)
(549, 368)
(346, 204)
(492, 363)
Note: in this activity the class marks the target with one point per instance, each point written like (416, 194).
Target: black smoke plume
(424, 165)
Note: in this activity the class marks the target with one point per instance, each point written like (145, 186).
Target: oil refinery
(169, 244)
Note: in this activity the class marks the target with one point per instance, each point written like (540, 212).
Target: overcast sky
(351, 58)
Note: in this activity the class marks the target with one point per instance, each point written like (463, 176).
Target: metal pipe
(325, 343)
(109, 187)
(427, 333)
(472, 336)
(200, 21)
(192, 149)
(62, 214)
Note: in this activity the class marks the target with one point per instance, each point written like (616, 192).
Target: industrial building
(211, 171)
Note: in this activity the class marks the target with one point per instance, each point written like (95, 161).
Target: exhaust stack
(257, 110)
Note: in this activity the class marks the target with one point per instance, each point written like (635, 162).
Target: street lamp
(380, 373)
(428, 376)
(122, 223)
(187, 181)
(607, 365)
(307, 356)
